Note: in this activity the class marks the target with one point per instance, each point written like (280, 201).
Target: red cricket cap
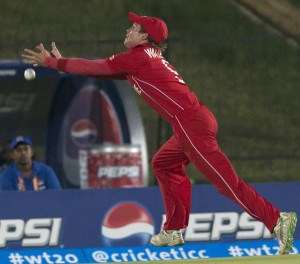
(155, 27)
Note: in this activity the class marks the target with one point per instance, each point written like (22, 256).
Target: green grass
(288, 259)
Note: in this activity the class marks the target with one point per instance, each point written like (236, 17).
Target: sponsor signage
(213, 226)
(121, 217)
(141, 254)
(96, 137)
(24, 106)
(110, 166)
(35, 232)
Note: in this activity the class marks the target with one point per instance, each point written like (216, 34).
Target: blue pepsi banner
(128, 217)
(141, 254)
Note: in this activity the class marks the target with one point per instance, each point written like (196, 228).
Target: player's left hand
(55, 52)
(37, 58)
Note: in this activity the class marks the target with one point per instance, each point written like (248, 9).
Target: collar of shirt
(35, 169)
(141, 46)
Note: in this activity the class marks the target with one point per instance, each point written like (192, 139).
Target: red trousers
(194, 140)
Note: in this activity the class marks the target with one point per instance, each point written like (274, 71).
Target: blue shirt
(42, 177)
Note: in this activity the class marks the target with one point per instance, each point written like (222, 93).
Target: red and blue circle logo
(83, 133)
(127, 224)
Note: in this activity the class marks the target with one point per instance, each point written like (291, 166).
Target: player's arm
(93, 68)
(51, 178)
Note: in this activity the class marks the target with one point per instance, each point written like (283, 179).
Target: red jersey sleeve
(93, 68)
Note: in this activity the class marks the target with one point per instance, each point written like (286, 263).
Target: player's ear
(145, 36)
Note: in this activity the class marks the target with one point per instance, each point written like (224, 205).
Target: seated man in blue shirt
(25, 174)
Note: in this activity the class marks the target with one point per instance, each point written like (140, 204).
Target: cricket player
(195, 129)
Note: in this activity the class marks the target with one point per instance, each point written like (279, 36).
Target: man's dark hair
(160, 46)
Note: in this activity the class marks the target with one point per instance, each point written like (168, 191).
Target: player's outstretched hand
(36, 58)
(55, 52)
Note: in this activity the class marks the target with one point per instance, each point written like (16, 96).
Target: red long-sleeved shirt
(147, 71)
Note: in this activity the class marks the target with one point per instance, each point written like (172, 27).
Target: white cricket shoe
(167, 239)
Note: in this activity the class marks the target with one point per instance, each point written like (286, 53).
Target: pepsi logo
(83, 133)
(127, 224)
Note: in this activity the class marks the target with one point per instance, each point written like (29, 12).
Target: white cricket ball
(29, 74)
